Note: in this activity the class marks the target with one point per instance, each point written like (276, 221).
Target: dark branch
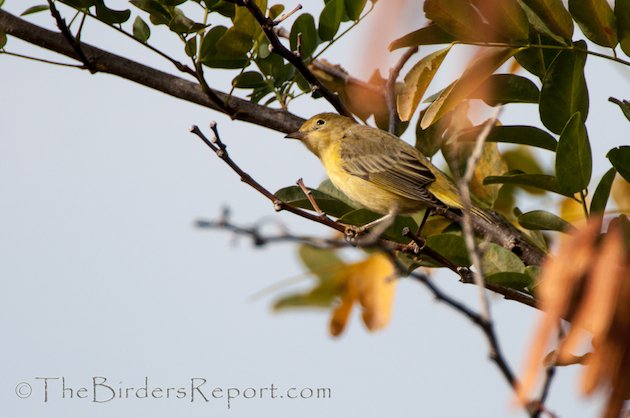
(107, 62)
(74, 42)
(267, 26)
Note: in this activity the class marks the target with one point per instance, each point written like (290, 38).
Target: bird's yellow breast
(362, 191)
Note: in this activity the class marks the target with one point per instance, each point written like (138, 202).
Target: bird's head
(320, 131)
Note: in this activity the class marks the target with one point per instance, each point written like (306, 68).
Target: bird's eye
(320, 122)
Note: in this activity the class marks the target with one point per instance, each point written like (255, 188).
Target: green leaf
(416, 82)
(224, 8)
(320, 261)
(431, 34)
(3, 39)
(330, 18)
(623, 105)
(477, 73)
(602, 192)
(1, 3)
(239, 38)
(325, 265)
(537, 60)
(430, 140)
(452, 247)
(273, 66)
(574, 163)
(181, 25)
(293, 195)
(564, 91)
(304, 24)
(543, 220)
(34, 9)
(620, 159)
(158, 13)
(79, 4)
(506, 88)
(212, 57)
(513, 134)
(497, 259)
(622, 16)
(506, 17)
(596, 20)
(111, 16)
(276, 10)
(539, 181)
(553, 14)
(249, 80)
(141, 30)
(191, 46)
(360, 217)
(459, 18)
(513, 280)
(354, 8)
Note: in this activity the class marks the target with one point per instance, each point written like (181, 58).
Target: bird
(379, 171)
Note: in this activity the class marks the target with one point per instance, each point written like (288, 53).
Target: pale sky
(104, 274)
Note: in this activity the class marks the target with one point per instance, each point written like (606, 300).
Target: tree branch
(267, 26)
(107, 62)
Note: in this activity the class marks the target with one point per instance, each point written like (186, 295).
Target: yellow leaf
(491, 163)
(571, 210)
(371, 283)
(621, 194)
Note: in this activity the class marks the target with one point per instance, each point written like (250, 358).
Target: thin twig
(469, 237)
(484, 319)
(310, 197)
(286, 15)
(267, 25)
(181, 67)
(74, 43)
(538, 46)
(61, 64)
(390, 89)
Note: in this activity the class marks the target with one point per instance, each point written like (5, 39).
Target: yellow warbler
(378, 170)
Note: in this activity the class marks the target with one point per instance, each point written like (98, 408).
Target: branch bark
(106, 62)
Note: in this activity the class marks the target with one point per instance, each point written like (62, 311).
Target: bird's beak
(295, 135)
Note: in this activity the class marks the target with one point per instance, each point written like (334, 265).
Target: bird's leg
(427, 213)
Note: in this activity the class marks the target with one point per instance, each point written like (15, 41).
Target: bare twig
(287, 15)
(310, 197)
(74, 42)
(469, 237)
(223, 104)
(61, 64)
(267, 26)
(484, 319)
(390, 89)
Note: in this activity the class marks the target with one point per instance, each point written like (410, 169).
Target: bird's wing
(387, 162)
